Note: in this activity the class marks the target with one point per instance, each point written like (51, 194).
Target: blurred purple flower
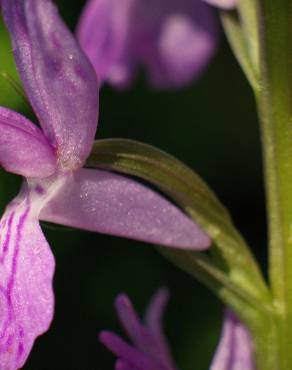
(61, 86)
(234, 351)
(149, 349)
(173, 39)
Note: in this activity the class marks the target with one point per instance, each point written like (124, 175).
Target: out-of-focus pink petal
(130, 354)
(112, 204)
(24, 149)
(149, 350)
(153, 321)
(224, 4)
(148, 338)
(155, 310)
(173, 39)
(26, 273)
(130, 320)
(105, 44)
(185, 42)
(124, 365)
(57, 77)
(234, 351)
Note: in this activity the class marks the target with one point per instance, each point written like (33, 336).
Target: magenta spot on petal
(39, 189)
(80, 72)
(56, 66)
(55, 41)
(7, 238)
(8, 343)
(21, 332)
(20, 350)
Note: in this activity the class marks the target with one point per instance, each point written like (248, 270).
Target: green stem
(274, 100)
(257, 315)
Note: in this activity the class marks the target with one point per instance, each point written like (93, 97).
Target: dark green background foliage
(211, 126)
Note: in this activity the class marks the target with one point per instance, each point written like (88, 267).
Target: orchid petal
(234, 351)
(58, 79)
(173, 39)
(24, 149)
(113, 204)
(26, 273)
(223, 4)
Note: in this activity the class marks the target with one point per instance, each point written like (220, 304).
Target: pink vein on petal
(7, 237)
(16, 251)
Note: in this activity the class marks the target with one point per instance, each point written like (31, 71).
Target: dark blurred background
(211, 126)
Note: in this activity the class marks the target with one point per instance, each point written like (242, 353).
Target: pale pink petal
(234, 351)
(24, 149)
(26, 272)
(113, 204)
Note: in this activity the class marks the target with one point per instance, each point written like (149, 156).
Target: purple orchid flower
(150, 350)
(173, 39)
(62, 89)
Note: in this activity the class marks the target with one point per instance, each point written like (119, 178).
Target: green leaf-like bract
(228, 268)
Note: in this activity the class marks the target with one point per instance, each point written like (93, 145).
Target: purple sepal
(149, 349)
(173, 39)
(24, 149)
(113, 204)
(234, 351)
(57, 77)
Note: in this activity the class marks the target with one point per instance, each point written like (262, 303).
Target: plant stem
(274, 99)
